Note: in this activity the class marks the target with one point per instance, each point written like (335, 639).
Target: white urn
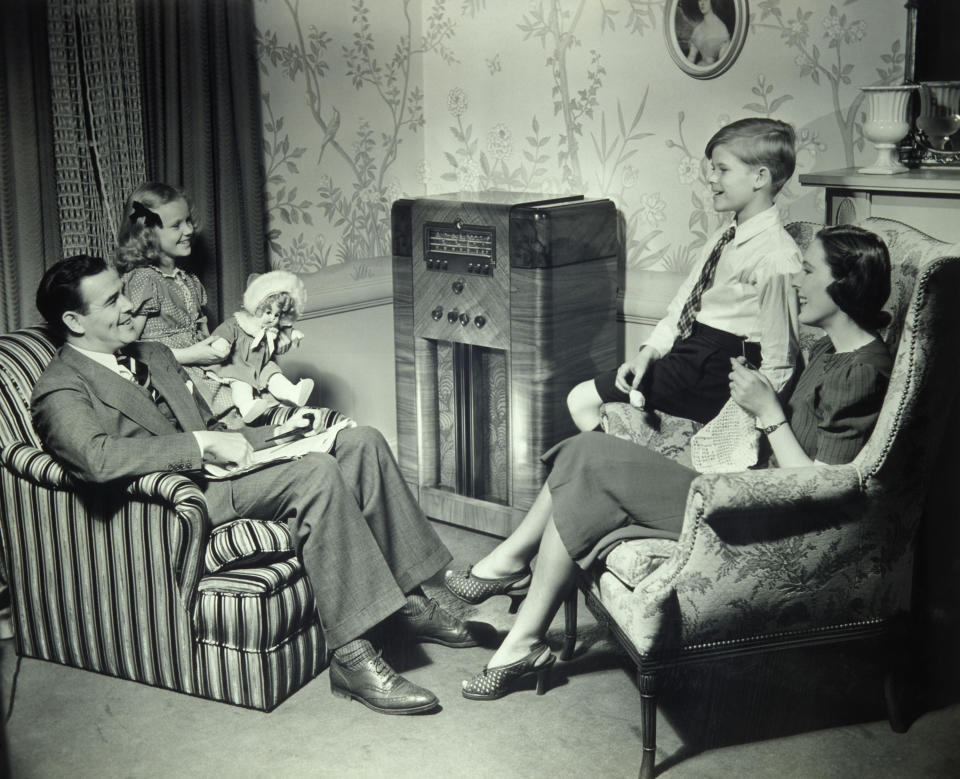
(886, 125)
(939, 111)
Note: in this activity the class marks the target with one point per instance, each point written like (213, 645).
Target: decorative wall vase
(939, 115)
(886, 125)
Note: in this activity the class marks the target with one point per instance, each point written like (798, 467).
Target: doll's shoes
(254, 411)
(302, 392)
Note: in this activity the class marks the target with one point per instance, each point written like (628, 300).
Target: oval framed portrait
(704, 37)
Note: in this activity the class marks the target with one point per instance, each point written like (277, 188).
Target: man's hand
(632, 371)
(228, 450)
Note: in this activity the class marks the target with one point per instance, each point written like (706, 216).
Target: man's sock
(355, 652)
(417, 603)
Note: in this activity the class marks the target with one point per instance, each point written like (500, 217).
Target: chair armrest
(765, 504)
(36, 466)
(168, 504)
(767, 551)
(663, 433)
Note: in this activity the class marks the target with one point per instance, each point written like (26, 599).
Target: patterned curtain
(97, 131)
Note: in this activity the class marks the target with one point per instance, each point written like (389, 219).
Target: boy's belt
(734, 344)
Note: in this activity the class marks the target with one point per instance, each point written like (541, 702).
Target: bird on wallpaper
(329, 132)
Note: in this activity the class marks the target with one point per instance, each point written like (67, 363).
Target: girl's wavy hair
(137, 242)
(860, 264)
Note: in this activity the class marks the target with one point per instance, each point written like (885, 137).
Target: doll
(251, 338)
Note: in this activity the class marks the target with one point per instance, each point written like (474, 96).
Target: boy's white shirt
(753, 275)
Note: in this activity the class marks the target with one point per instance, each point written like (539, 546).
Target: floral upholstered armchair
(779, 558)
(131, 582)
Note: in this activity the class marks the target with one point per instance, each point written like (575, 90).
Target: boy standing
(737, 300)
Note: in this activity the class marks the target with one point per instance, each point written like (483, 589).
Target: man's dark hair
(59, 289)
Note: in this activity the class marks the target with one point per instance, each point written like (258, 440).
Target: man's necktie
(688, 313)
(136, 372)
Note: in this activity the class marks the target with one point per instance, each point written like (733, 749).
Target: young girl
(251, 338)
(600, 483)
(156, 231)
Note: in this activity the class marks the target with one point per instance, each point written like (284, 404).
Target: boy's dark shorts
(692, 379)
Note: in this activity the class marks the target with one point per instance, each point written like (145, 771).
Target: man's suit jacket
(103, 427)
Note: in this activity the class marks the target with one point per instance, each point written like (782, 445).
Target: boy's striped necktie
(688, 313)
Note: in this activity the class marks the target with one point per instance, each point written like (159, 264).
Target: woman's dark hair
(59, 289)
(722, 8)
(137, 243)
(860, 264)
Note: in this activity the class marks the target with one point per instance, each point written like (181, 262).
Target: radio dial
(457, 286)
(464, 319)
(453, 316)
(437, 313)
(479, 320)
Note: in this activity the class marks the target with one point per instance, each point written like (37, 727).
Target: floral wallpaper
(370, 100)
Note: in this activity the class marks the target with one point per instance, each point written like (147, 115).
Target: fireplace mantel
(924, 198)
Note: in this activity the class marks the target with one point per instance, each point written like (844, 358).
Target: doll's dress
(251, 354)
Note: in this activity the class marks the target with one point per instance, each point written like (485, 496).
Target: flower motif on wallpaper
(653, 209)
(354, 195)
(473, 169)
(457, 102)
(500, 142)
(841, 33)
(837, 30)
(302, 256)
(688, 170)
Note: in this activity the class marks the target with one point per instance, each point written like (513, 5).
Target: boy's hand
(632, 371)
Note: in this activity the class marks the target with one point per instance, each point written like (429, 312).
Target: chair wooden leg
(647, 683)
(897, 688)
(569, 625)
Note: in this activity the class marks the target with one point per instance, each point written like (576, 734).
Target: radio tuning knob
(479, 320)
(457, 286)
(464, 319)
(453, 316)
(437, 313)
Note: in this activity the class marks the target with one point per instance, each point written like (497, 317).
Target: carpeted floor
(813, 715)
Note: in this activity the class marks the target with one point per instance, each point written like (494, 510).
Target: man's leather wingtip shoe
(435, 625)
(377, 686)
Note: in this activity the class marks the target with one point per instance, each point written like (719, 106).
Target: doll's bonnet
(261, 285)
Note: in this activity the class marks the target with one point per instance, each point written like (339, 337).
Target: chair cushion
(254, 609)
(633, 561)
(246, 542)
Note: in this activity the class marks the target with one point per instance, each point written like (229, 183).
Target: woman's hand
(752, 391)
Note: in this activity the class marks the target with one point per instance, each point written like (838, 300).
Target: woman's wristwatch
(770, 428)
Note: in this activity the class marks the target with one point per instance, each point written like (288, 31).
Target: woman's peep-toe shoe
(493, 683)
(475, 589)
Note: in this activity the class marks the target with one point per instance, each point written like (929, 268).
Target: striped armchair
(134, 584)
(784, 558)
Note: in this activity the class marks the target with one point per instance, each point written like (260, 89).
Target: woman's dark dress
(599, 483)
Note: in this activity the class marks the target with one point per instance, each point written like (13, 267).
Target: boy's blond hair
(767, 143)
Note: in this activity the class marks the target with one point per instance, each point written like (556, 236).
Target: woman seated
(600, 483)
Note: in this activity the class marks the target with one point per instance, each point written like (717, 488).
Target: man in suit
(365, 545)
